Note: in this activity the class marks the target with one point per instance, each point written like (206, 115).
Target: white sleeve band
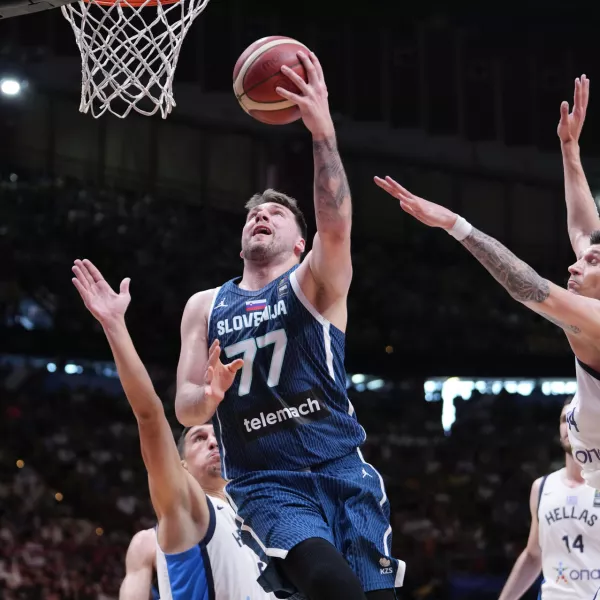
(461, 229)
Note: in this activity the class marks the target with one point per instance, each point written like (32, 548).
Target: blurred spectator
(459, 502)
(73, 487)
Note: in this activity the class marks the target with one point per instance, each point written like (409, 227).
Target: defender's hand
(312, 101)
(219, 377)
(570, 125)
(97, 295)
(427, 212)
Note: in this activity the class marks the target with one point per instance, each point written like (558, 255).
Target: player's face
(270, 231)
(585, 274)
(564, 431)
(202, 452)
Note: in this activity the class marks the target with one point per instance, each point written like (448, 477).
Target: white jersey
(583, 419)
(569, 536)
(218, 568)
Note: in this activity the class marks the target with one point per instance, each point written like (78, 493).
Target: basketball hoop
(129, 52)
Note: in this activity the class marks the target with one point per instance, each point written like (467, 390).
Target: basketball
(257, 73)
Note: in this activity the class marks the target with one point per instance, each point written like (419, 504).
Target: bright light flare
(10, 87)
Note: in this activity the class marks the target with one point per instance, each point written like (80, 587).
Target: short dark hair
(290, 203)
(595, 237)
(181, 442)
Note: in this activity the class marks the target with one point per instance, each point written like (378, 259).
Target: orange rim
(131, 3)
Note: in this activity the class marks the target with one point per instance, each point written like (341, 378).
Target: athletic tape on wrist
(461, 229)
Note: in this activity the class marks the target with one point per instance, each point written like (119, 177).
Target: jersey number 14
(576, 545)
(248, 348)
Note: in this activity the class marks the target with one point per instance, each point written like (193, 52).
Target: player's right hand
(97, 295)
(219, 377)
(570, 125)
(423, 210)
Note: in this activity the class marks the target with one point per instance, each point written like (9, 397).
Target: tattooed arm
(329, 261)
(575, 314)
(526, 286)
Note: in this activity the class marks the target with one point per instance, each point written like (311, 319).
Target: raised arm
(171, 486)
(139, 564)
(329, 260)
(582, 214)
(575, 314)
(528, 566)
(202, 379)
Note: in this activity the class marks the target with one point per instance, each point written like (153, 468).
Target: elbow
(150, 414)
(337, 230)
(182, 413)
(528, 288)
(533, 556)
(535, 560)
(184, 410)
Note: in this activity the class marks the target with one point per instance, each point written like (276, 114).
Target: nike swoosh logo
(220, 507)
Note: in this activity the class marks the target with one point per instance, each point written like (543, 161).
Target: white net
(129, 53)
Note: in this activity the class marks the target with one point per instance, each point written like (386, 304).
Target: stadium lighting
(375, 384)
(10, 87)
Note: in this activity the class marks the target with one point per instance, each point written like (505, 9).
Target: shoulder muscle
(142, 551)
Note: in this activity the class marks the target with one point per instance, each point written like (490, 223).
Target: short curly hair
(290, 203)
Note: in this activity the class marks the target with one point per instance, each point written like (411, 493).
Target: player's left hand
(427, 212)
(312, 101)
(97, 295)
(571, 123)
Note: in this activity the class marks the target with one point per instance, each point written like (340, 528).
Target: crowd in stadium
(85, 440)
(74, 488)
(459, 501)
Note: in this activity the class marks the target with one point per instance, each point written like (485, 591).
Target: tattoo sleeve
(332, 192)
(516, 276)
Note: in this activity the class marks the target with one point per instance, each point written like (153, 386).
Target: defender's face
(564, 431)
(202, 452)
(585, 274)
(270, 230)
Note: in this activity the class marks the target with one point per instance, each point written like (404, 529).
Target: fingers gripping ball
(257, 73)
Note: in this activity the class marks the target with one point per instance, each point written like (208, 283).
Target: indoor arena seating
(459, 501)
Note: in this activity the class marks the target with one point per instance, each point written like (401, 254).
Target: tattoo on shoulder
(518, 278)
(331, 183)
(570, 328)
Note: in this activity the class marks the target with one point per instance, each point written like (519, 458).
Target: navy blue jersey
(287, 408)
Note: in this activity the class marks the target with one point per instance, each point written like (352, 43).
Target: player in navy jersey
(287, 430)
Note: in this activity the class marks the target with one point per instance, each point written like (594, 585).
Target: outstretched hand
(427, 212)
(312, 100)
(97, 295)
(218, 377)
(570, 125)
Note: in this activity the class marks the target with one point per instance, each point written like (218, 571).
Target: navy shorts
(342, 501)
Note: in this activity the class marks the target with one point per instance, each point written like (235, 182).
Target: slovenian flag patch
(254, 305)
